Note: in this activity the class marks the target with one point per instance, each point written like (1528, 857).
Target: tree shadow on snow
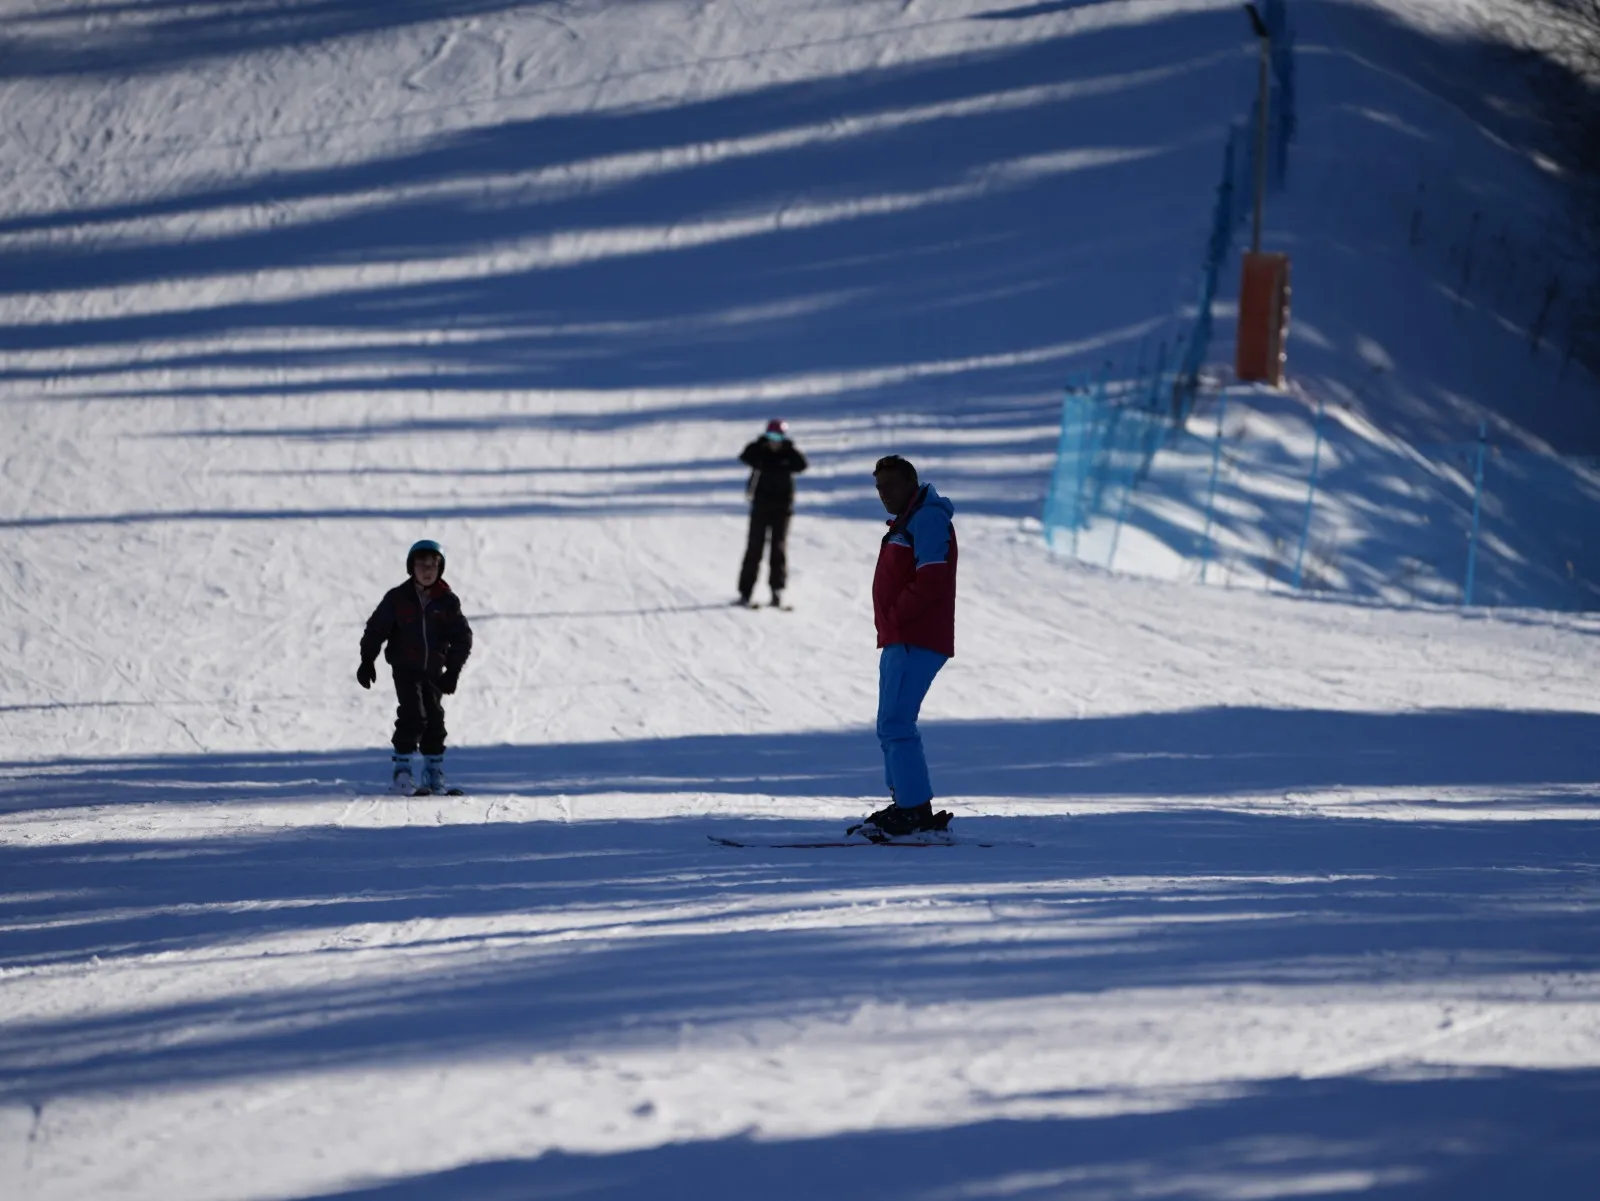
(1483, 1136)
(602, 936)
(71, 39)
(1187, 753)
(949, 240)
(610, 929)
(1035, 10)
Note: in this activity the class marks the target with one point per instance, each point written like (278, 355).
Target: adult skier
(774, 461)
(914, 606)
(428, 642)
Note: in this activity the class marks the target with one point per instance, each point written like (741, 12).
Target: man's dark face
(895, 490)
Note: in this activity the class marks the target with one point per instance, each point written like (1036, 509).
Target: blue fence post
(1124, 426)
(1088, 414)
(1152, 398)
(1211, 492)
(1052, 496)
(1477, 509)
(1311, 493)
(1063, 507)
(1092, 448)
(1154, 418)
(1141, 420)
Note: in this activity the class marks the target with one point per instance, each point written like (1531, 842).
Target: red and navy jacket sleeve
(457, 636)
(380, 626)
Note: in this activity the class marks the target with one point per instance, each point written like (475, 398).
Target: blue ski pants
(904, 675)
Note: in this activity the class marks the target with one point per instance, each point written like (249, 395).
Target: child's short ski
(426, 791)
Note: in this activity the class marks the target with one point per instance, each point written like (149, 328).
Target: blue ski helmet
(423, 547)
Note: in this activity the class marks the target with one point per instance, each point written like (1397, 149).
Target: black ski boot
(896, 821)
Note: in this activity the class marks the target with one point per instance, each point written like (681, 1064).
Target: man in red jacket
(914, 605)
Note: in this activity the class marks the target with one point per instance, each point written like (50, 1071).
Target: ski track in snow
(1289, 897)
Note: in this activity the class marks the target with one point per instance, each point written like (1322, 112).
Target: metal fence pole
(1211, 492)
(1091, 448)
(1052, 501)
(1311, 493)
(1477, 509)
(1125, 466)
(1263, 101)
(1087, 415)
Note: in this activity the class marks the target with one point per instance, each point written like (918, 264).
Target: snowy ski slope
(1309, 905)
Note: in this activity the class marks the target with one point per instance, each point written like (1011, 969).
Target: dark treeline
(1563, 37)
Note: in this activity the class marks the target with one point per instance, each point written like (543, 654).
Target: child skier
(429, 640)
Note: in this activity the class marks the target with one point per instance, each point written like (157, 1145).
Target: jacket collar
(896, 524)
(440, 588)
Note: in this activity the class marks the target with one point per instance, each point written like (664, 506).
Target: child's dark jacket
(429, 637)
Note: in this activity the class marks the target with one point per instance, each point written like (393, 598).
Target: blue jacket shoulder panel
(929, 528)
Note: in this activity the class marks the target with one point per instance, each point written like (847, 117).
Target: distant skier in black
(774, 461)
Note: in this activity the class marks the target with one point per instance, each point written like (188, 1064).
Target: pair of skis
(424, 790)
(924, 840)
(921, 839)
(937, 836)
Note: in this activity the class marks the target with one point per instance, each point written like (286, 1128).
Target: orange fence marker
(1263, 318)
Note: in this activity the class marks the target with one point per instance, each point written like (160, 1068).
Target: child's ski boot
(402, 783)
(433, 781)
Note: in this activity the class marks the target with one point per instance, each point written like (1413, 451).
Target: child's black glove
(447, 680)
(365, 674)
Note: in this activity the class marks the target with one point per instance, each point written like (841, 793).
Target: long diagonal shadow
(1184, 753)
(1342, 1139)
(515, 939)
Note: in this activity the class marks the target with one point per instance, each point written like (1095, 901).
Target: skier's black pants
(765, 517)
(419, 718)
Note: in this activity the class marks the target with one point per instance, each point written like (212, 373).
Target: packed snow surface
(1287, 898)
